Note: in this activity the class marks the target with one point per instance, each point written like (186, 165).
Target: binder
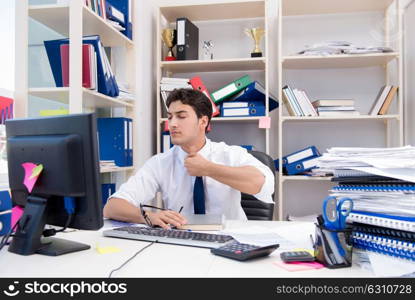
(287, 102)
(166, 143)
(300, 155)
(243, 109)
(384, 245)
(231, 88)
(106, 84)
(124, 8)
(113, 136)
(6, 109)
(197, 84)
(382, 220)
(107, 189)
(255, 92)
(407, 188)
(301, 166)
(130, 142)
(385, 232)
(187, 40)
(115, 14)
(5, 212)
(88, 76)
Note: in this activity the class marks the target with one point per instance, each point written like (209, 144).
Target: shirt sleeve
(241, 157)
(141, 187)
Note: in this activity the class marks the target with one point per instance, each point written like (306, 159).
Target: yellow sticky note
(107, 250)
(303, 249)
(36, 171)
(53, 112)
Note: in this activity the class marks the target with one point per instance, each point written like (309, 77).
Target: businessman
(196, 174)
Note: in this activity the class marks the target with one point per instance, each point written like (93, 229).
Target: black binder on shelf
(187, 40)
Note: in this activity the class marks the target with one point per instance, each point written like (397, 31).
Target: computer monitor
(67, 148)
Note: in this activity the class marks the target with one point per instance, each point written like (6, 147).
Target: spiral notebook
(384, 245)
(382, 220)
(407, 188)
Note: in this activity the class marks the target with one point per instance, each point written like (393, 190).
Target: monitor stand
(28, 239)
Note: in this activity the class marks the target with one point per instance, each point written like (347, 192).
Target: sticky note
(298, 266)
(303, 249)
(17, 213)
(107, 250)
(32, 172)
(264, 122)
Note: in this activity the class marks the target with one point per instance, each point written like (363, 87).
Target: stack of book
(383, 100)
(297, 102)
(168, 84)
(335, 107)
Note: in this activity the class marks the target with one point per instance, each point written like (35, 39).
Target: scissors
(336, 211)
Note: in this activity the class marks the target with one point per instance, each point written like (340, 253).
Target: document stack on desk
(383, 194)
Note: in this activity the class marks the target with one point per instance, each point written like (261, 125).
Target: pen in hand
(180, 210)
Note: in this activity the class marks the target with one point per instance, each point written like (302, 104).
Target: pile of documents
(381, 183)
(341, 47)
(335, 107)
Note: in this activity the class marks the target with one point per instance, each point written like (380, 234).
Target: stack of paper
(341, 47)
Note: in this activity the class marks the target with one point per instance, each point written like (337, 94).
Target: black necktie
(199, 196)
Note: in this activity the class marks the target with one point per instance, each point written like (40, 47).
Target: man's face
(184, 125)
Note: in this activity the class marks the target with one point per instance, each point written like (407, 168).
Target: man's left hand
(197, 165)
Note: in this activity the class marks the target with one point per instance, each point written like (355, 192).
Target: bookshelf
(223, 22)
(75, 20)
(352, 76)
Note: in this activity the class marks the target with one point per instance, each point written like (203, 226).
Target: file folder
(231, 89)
(124, 8)
(255, 92)
(301, 166)
(106, 84)
(114, 139)
(5, 212)
(187, 40)
(107, 189)
(197, 84)
(242, 109)
(302, 154)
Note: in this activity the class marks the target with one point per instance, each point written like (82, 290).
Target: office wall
(409, 62)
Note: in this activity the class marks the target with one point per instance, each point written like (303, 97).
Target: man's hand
(197, 165)
(166, 219)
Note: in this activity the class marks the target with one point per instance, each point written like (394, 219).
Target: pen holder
(333, 248)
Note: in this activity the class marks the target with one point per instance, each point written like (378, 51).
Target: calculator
(293, 256)
(239, 251)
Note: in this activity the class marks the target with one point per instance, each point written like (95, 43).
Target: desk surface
(161, 260)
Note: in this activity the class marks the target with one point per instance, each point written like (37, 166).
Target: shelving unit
(225, 66)
(74, 21)
(292, 69)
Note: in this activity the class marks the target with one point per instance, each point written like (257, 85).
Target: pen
(180, 210)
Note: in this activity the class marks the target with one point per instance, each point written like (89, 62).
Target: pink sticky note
(32, 172)
(264, 122)
(298, 266)
(17, 213)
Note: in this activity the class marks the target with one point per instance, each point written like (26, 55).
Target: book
(385, 106)
(383, 93)
(333, 102)
(204, 222)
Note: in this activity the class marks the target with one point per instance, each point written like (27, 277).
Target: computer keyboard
(170, 236)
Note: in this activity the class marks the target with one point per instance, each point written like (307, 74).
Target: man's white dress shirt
(166, 173)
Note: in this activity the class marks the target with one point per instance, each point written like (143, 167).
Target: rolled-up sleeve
(244, 158)
(141, 187)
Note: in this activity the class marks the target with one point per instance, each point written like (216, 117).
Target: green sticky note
(36, 171)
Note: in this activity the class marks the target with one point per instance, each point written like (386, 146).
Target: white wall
(409, 62)
(7, 46)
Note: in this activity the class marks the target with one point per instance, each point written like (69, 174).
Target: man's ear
(204, 121)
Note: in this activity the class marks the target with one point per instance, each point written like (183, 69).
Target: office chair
(254, 208)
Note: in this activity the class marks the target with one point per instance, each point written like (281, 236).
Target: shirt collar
(205, 151)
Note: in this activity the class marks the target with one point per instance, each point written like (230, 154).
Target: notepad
(204, 222)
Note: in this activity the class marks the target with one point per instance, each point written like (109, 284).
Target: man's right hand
(166, 219)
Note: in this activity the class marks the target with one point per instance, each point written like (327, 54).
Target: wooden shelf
(228, 119)
(306, 7)
(91, 99)
(215, 65)
(115, 169)
(337, 61)
(303, 177)
(56, 17)
(339, 118)
(215, 11)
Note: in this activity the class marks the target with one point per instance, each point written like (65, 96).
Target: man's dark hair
(196, 99)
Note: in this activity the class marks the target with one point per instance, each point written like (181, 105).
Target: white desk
(159, 260)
